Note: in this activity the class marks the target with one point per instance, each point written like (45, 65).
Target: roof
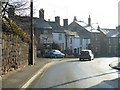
(76, 27)
(75, 34)
(41, 23)
(87, 27)
(56, 27)
(110, 32)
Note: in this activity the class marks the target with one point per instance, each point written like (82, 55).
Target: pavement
(115, 64)
(22, 77)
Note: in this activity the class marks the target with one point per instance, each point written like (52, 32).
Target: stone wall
(15, 52)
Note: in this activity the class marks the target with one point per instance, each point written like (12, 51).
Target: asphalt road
(79, 74)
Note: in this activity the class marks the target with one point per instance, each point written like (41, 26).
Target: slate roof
(76, 27)
(41, 23)
(94, 26)
(75, 34)
(110, 32)
(56, 27)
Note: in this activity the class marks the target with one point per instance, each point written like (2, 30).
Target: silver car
(54, 53)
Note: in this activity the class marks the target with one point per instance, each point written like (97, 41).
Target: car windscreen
(84, 52)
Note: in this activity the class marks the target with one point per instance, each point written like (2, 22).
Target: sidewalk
(115, 65)
(17, 79)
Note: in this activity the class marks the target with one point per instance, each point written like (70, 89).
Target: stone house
(84, 34)
(94, 39)
(95, 42)
(90, 36)
(43, 31)
(109, 42)
(58, 34)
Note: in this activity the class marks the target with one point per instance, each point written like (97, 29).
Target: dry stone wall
(15, 52)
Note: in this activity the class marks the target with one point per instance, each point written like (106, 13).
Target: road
(79, 74)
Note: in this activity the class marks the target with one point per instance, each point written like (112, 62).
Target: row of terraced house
(74, 37)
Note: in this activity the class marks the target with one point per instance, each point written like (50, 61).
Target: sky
(104, 12)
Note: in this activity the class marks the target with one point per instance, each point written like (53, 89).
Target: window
(71, 40)
(109, 41)
(119, 40)
(96, 49)
(109, 49)
(115, 49)
(45, 32)
(60, 36)
(96, 38)
(80, 41)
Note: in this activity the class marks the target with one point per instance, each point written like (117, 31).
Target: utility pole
(32, 35)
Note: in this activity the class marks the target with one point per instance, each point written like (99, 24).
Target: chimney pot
(89, 21)
(41, 13)
(65, 23)
(57, 19)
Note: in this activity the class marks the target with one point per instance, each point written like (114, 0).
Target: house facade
(95, 42)
(43, 31)
(75, 26)
(76, 44)
(58, 33)
(90, 36)
(109, 42)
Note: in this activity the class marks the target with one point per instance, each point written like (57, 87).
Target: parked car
(86, 54)
(54, 53)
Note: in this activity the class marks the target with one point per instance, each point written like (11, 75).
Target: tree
(55, 46)
(21, 7)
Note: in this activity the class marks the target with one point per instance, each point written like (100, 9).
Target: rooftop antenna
(54, 12)
(66, 12)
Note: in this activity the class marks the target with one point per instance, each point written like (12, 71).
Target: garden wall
(15, 52)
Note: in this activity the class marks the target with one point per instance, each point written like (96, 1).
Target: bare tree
(21, 7)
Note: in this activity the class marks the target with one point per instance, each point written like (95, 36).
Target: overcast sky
(104, 12)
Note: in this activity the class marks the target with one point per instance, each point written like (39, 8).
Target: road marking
(37, 74)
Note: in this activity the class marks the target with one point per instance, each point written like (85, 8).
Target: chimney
(89, 21)
(75, 19)
(41, 13)
(98, 28)
(57, 19)
(65, 23)
(11, 12)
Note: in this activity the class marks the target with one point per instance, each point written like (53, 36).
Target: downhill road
(79, 74)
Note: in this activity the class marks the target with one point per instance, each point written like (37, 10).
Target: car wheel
(79, 59)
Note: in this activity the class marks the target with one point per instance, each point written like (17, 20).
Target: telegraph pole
(32, 34)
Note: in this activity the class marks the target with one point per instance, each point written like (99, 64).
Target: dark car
(86, 54)
(54, 53)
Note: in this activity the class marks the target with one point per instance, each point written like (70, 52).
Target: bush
(10, 26)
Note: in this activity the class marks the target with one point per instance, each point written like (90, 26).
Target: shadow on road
(78, 61)
(114, 82)
(62, 84)
(74, 61)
